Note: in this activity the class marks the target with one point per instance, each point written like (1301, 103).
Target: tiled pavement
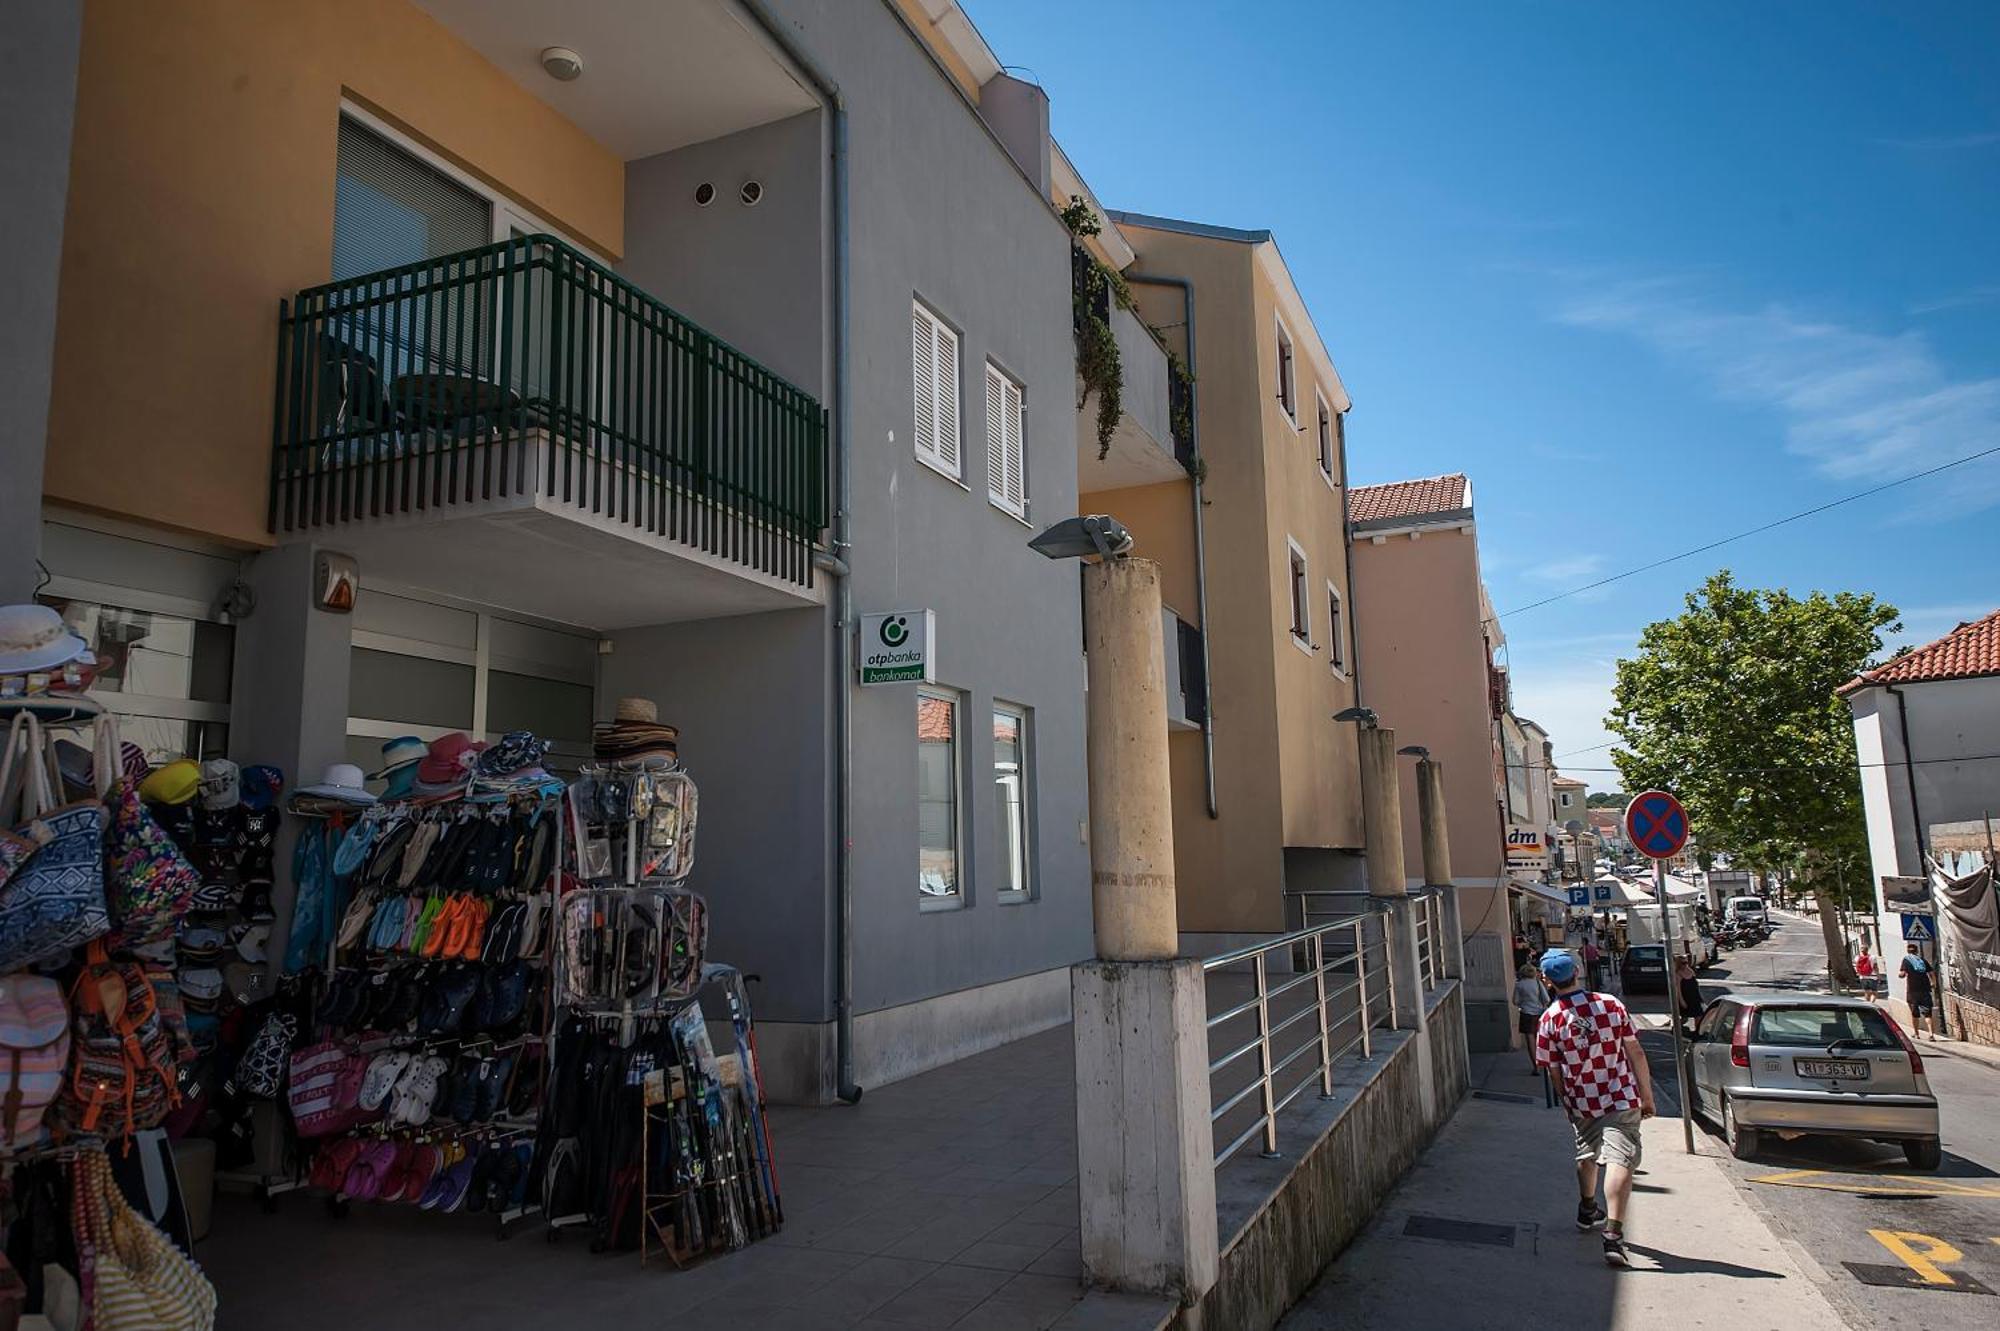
(948, 1200)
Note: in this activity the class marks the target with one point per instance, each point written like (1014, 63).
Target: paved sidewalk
(945, 1201)
(1701, 1256)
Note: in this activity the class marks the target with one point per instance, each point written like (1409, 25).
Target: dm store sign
(898, 647)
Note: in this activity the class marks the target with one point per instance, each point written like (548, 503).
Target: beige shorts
(1610, 1139)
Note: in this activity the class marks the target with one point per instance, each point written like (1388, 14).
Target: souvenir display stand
(653, 1139)
(434, 916)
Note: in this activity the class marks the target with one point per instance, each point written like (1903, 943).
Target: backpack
(34, 1053)
(325, 1089)
(122, 1061)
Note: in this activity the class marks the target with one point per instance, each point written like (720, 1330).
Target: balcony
(459, 421)
(1145, 447)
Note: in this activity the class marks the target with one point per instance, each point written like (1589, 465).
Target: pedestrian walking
(1692, 1001)
(1532, 1000)
(1864, 970)
(1587, 1041)
(1593, 963)
(1917, 993)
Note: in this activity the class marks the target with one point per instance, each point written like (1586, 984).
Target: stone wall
(1971, 1021)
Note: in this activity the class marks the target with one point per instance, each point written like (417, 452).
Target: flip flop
(450, 1156)
(457, 1183)
(364, 1176)
(425, 1161)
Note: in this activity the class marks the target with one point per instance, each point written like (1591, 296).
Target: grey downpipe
(1200, 537)
(835, 564)
(1353, 597)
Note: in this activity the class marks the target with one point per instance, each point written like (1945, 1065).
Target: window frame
(996, 371)
(503, 213)
(961, 897)
(1325, 439)
(1288, 373)
(934, 460)
(1023, 717)
(1298, 573)
(1336, 650)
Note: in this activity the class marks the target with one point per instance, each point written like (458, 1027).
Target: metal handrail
(525, 367)
(1309, 945)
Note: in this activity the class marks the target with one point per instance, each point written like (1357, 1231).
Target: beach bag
(51, 864)
(122, 1060)
(34, 1055)
(149, 881)
(325, 1089)
(136, 1279)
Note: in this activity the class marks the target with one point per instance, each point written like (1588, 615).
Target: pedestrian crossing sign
(1919, 928)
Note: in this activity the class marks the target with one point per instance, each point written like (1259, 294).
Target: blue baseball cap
(1558, 966)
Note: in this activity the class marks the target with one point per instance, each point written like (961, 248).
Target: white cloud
(1571, 568)
(1959, 300)
(1860, 405)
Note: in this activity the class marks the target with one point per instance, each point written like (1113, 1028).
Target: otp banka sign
(898, 647)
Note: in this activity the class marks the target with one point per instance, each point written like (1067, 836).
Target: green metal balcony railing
(526, 368)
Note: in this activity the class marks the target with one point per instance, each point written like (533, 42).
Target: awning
(1542, 890)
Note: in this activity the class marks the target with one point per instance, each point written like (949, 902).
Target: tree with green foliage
(1731, 707)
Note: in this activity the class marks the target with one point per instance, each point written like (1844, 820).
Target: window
(934, 366)
(1336, 650)
(1820, 1027)
(1006, 465)
(391, 208)
(1288, 388)
(937, 797)
(1325, 438)
(166, 677)
(1010, 795)
(1301, 612)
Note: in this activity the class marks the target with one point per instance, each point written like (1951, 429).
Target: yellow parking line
(1900, 1184)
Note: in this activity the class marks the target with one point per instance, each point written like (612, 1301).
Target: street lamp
(1099, 534)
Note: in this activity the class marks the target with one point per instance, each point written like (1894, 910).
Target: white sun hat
(34, 637)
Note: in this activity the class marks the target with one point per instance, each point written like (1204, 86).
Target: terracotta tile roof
(1968, 651)
(1409, 499)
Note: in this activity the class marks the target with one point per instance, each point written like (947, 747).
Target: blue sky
(1650, 274)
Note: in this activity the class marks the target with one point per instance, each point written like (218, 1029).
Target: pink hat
(450, 759)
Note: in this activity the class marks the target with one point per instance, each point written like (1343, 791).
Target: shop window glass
(552, 708)
(388, 686)
(937, 796)
(1010, 786)
(155, 655)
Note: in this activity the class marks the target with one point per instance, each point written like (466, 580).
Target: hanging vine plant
(1093, 287)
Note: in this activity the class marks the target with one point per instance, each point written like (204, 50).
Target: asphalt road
(1898, 1248)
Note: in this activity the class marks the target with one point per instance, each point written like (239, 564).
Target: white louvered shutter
(923, 370)
(996, 434)
(1017, 461)
(947, 453)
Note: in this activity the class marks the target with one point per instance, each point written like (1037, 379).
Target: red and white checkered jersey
(1584, 1035)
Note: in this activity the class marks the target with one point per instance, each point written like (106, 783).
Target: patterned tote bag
(52, 863)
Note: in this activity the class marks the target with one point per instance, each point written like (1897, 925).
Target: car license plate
(1832, 1069)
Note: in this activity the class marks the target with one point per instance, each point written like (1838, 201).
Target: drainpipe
(1200, 536)
(834, 563)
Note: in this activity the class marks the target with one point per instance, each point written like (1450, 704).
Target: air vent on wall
(752, 193)
(704, 194)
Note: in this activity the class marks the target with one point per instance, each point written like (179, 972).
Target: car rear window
(1818, 1027)
(1649, 952)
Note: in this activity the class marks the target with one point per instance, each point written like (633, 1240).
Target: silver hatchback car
(1811, 1064)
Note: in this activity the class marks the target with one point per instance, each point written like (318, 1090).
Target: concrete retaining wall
(1342, 1157)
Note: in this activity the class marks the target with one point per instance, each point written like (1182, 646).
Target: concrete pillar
(38, 62)
(1131, 795)
(1145, 1156)
(1437, 863)
(1382, 825)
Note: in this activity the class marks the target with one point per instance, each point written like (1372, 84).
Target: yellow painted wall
(1161, 520)
(1317, 757)
(201, 193)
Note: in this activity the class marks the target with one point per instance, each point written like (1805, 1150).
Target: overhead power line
(1753, 531)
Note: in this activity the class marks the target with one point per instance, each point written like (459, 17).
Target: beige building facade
(1427, 641)
(1254, 527)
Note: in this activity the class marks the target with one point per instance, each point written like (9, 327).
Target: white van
(1747, 908)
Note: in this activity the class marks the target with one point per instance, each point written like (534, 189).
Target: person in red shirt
(1588, 1044)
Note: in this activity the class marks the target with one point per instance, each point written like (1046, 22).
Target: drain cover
(1506, 1097)
(1458, 1231)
